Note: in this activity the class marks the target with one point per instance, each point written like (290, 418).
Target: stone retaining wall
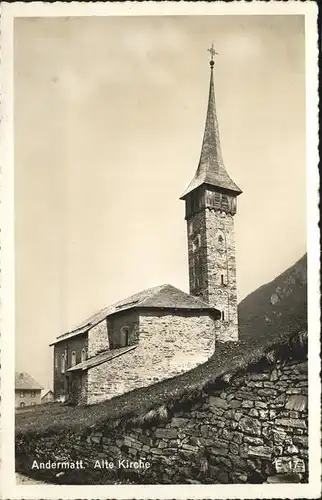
(255, 426)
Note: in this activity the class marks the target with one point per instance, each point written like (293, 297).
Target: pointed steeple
(211, 169)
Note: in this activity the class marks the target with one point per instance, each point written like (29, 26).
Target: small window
(22, 394)
(56, 361)
(223, 315)
(220, 239)
(73, 358)
(63, 363)
(33, 404)
(124, 340)
(33, 394)
(22, 405)
(222, 279)
(83, 355)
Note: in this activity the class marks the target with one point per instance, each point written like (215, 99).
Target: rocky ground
(21, 479)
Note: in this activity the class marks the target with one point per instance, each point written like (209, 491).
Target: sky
(108, 125)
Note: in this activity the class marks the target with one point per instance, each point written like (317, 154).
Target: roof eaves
(100, 359)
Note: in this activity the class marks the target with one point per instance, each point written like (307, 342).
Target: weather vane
(212, 53)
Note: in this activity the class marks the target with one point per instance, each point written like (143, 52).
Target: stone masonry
(212, 266)
(221, 271)
(169, 344)
(253, 427)
(98, 340)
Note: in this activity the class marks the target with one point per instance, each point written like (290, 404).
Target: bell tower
(210, 201)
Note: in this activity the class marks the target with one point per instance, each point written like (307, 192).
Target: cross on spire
(212, 53)
(211, 169)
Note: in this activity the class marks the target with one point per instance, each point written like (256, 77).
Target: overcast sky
(109, 119)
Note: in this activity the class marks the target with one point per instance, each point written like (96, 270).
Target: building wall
(116, 325)
(78, 387)
(28, 397)
(67, 346)
(253, 427)
(212, 266)
(98, 340)
(169, 344)
(48, 398)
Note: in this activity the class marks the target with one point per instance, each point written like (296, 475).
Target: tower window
(223, 315)
(224, 201)
(222, 279)
(220, 238)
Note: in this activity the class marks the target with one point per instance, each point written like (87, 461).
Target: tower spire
(211, 169)
(210, 206)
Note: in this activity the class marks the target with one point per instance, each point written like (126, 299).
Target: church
(162, 332)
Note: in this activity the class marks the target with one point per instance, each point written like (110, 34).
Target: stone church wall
(66, 347)
(129, 319)
(169, 344)
(98, 339)
(255, 426)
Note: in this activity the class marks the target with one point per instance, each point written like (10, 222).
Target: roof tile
(161, 296)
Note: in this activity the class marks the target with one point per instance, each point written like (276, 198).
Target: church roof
(211, 169)
(158, 297)
(25, 382)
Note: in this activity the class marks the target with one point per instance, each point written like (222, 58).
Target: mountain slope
(280, 305)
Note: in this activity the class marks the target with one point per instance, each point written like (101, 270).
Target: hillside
(278, 306)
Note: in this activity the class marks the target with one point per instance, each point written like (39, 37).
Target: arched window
(83, 355)
(124, 337)
(62, 364)
(73, 358)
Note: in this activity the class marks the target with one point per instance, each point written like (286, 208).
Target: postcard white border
(38, 9)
